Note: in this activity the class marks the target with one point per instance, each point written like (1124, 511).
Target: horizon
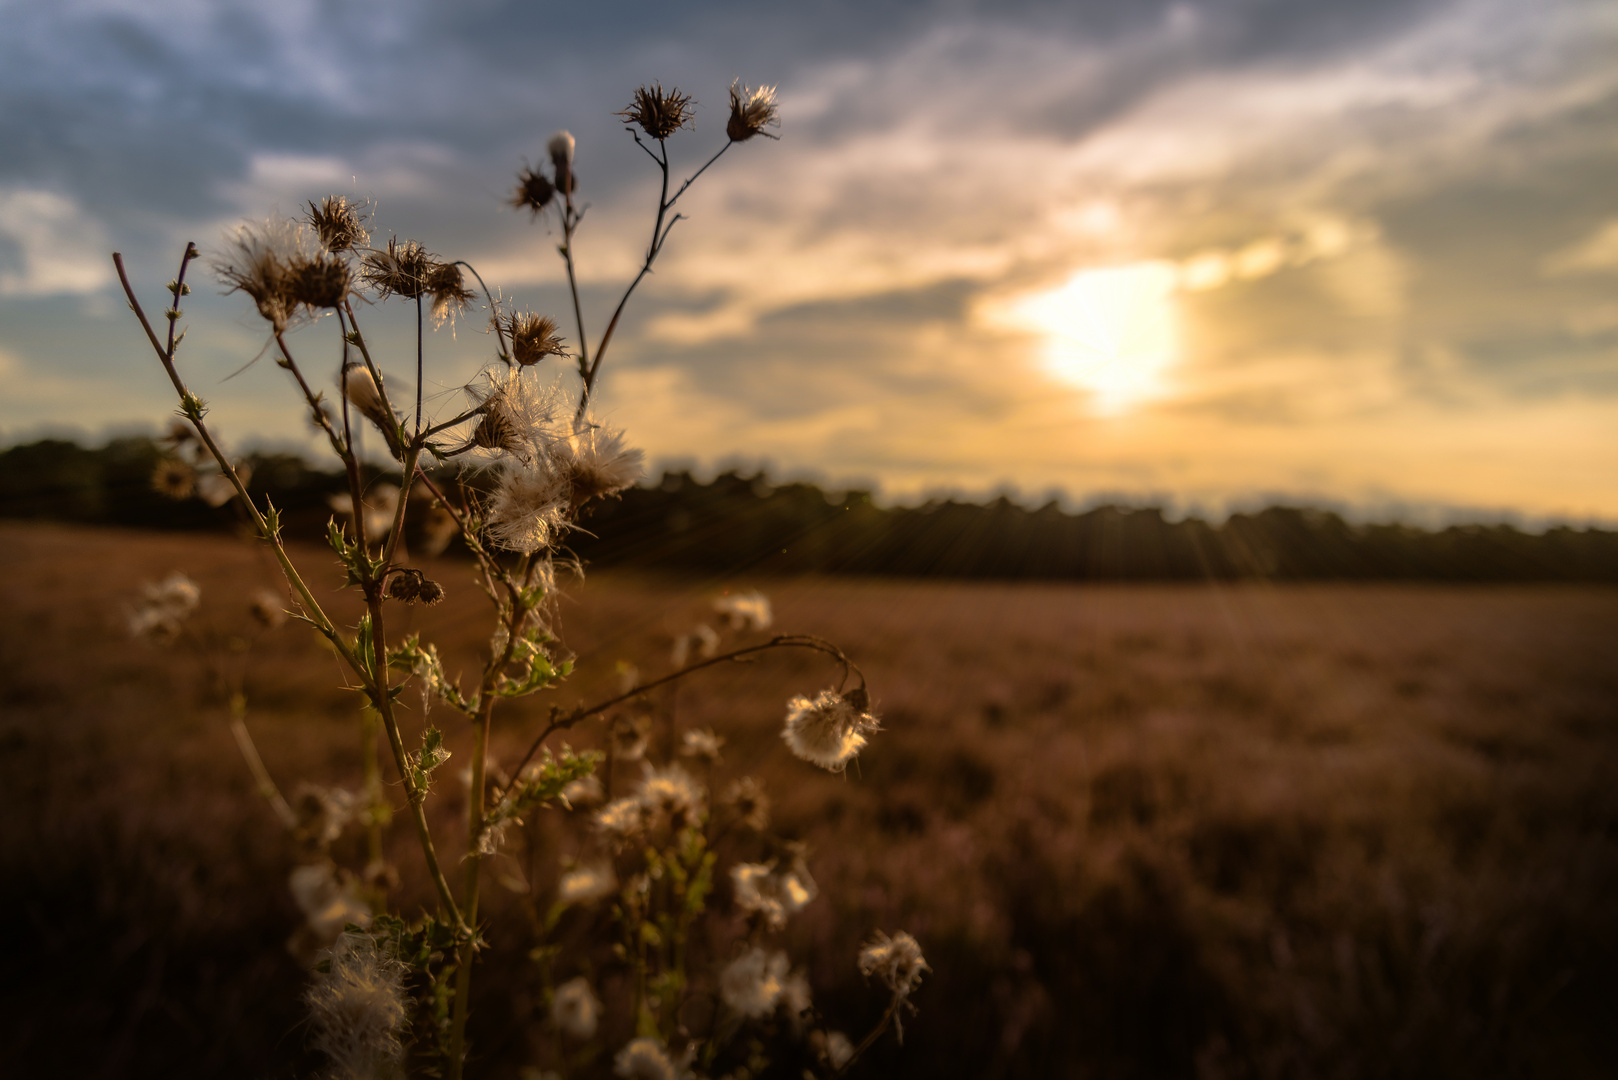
(1199, 256)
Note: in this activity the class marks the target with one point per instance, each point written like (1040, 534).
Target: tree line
(736, 522)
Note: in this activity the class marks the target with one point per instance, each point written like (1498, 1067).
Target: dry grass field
(1232, 831)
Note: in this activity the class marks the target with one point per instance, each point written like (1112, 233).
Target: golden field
(1176, 831)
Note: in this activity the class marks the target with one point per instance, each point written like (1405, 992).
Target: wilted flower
(328, 904)
(339, 223)
(644, 1059)
(760, 890)
(585, 791)
(896, 960)
(534, 191)
(827, 730)
(751, 111)
(267, 608)
(701, 743)
(533, 337)
(575, 1010)
(671, 792)
(583, 884)
(358, 1009)
(751, 984)
(319, 282)
(660, 113)
(746, 797)
(174, 478)
(749, 609)
(448, 288)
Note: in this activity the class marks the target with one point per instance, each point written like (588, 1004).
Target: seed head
(449, 292)
(174, 478)
(403, 268)
(896, 960)
(749, 609)
(534, 191)
(267, 608)
(671, 793)
(357, 1008)
(827, 730)
(774, 895)
(702, 744)
(751, 111)
(575, 1010)
(658, 112)
(329, 903)
(533, 337)
(529, 506)
(339, 223)
(262, 261)
(583, 884)
(409, 586)
(164, 607)
(596, 461)
(644, 1059)
(747, 799)
(322, 282)
(560, 149)
(585, 791)
(751, 984)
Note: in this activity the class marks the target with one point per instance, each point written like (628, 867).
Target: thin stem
(418, 365)
(493, 308)
(870, 1039)
(783, 641)
(570, 223)
(255, 764)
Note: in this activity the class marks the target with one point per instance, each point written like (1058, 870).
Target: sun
(1112, 331)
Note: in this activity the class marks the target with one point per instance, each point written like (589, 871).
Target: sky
(1359, 253)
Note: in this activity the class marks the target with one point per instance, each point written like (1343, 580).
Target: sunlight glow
(1112, 331)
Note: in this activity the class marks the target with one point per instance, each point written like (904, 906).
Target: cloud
(58, 248)
(1596, 252)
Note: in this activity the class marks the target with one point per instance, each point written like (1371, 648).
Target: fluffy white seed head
(529, 506)
(826, 730)
(644, 1059)
(671, 793)
(751, 984)
(896, 961)
(328, 902)
(759, 889)
(357, 1010)
(749, 610)
(584, 884)
(164, 607)
(575, 1010)
(702, 744)
(585, 791)
(597, 462)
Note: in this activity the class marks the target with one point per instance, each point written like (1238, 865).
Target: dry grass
(1155, 832)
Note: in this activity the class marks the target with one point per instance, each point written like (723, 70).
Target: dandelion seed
(358, 1010)
(658, 112)
(644, 1059)
(174, 479)
(585, 791)
(584, 884)
(671, 793)
(701, 743)
(747, 800)
(751, 984)
(533, 337)
(751, 111)
(827, 730)
(575, 1010)
(534, 191)
(896, 961)
(749, 609)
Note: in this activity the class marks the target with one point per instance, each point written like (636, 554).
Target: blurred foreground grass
(1334, 831)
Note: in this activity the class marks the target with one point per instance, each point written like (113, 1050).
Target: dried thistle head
(321, 282)
(260, 260)
(174, 478)
(339, 223)
(658, 112)
(533, 337)
(448, 288)
(403, 268)
(534, 191)
(751, 111)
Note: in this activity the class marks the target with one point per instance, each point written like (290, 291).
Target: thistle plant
(653, 943)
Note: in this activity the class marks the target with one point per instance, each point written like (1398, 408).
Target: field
(1210, 831)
